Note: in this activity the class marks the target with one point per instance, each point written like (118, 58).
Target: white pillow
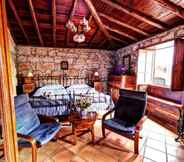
(52, 90)
(78, 89)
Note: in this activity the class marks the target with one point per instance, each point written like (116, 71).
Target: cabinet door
(178, 66)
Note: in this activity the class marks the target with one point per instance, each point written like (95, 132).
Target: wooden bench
(163, 105)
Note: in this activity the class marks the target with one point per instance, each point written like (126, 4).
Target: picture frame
(127, 63)
(64, 65)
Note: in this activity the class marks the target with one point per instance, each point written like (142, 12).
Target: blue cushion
(120, 126)
(26, 119)
(28, 123)
(45, 132)
(21, 99)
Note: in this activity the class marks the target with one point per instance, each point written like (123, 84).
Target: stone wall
(134, 48)
(46, 61)
(82, 62)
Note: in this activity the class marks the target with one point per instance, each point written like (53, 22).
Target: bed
(54, 96)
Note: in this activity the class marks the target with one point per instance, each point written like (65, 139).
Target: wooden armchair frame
(32, 141)
(134, 137)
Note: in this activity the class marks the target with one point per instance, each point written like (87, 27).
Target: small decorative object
(64, 65)
(126, 63)
(119, 70)
(30, 74)
(29, 78)
(79, 29)
(79, 38)
(95, 77)
(83, 104)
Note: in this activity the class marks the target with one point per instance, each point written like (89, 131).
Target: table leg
(74, 135)
(93, 135)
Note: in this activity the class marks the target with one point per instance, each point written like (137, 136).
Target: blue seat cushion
(120, 126)
(45, 132)
(21, 99)
(26, 119)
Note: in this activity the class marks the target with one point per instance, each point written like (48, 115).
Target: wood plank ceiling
(114, 23)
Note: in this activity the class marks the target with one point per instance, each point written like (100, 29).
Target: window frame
(153, 63)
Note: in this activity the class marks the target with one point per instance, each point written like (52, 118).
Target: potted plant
(83, 103)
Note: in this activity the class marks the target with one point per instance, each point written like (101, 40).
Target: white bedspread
(100, 102)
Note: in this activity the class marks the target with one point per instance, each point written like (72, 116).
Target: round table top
(89, 117)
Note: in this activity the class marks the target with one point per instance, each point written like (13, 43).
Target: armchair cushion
(45, 132)
(26, 118)
(120, 126)
(28, 123)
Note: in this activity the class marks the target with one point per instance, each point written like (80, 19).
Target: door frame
(6, 91)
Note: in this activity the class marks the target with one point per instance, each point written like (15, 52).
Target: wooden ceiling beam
(136, 14)
(90, 19)
(98, 20)
(18, 19)
(73, 9)
(174, 8)
(121, 33)
(123, 24)
(119, 40)
(35, 22)
(71, 13)
(54, 20)
(93, 36)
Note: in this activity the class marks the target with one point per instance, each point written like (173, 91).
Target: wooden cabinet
(28, 85)
(117, 82)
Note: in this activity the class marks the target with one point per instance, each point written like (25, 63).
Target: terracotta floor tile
(114, 148)
(94, 155)
(77, 159)
(63, 156)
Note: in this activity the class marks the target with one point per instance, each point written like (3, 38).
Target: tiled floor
(157, 145)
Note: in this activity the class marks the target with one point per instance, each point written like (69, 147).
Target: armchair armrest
(140, 123)
(27, 138)
(107, 113)
(47, 119)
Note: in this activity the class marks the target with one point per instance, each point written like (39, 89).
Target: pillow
(52, 90)
(78, 89)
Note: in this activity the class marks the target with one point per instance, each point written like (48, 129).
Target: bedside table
(28, 85)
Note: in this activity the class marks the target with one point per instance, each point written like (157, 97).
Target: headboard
(64, 80)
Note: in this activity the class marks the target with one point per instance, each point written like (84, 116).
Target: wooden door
(6, 92)
(178, 66)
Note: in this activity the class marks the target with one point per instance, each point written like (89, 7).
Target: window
(155, 64)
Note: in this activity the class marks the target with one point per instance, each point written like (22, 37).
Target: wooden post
(6, 92)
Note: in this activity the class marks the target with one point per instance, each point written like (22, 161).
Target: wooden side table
(28, 85)
(83, 124)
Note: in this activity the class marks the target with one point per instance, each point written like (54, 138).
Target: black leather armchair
(129, 115)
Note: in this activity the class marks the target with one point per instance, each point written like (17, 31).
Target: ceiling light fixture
(79, 29)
